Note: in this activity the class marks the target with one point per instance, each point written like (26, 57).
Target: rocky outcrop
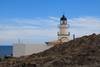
(80, 52)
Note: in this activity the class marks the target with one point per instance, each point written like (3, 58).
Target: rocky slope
(80, 52)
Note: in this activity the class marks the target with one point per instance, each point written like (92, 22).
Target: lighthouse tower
(63, 34)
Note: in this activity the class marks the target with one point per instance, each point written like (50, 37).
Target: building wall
(28, 49)
(18, 50)
(35, 48)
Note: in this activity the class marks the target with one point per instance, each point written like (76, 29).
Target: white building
(63, 34)
(20, 49)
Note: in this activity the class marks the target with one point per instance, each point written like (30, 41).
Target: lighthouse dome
(63, 18)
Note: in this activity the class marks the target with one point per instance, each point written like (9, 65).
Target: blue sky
(45, 8)
(37, 20)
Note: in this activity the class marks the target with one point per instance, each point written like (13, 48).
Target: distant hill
(80, 52)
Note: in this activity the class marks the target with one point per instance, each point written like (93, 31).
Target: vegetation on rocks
(80, 52)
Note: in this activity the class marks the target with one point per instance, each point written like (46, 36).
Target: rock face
(80, 52)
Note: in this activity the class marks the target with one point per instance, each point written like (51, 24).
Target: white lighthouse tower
(63, 33)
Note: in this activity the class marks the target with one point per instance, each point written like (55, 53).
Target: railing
(59, 34)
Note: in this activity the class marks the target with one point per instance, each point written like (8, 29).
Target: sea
(6, 51)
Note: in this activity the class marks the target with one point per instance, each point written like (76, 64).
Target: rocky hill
(80, 52)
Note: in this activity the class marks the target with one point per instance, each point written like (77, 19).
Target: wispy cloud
(84, 25)
(27, 29)
(41, 29)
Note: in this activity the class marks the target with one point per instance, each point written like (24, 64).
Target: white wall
(28, 49)
(18, 50)
(35, 48)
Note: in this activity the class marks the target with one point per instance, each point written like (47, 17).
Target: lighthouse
(63, 33)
